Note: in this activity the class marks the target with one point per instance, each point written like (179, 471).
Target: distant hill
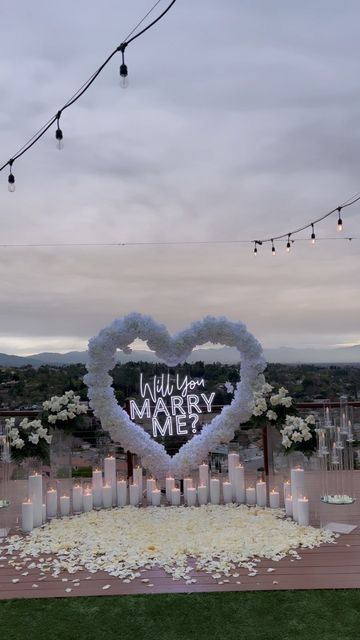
(283, 355)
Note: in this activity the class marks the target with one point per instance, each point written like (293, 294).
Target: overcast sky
(241, 120)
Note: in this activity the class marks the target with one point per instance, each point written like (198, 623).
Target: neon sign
(171, 404)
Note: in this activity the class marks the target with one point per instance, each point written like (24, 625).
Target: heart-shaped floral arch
(172, 350)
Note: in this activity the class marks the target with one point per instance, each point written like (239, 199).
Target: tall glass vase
(60, 461)
(4, 485)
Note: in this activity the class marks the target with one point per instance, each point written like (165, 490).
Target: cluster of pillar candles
(106, 491)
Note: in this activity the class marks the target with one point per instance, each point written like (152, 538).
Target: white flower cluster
(172, 350)
(264, 403)
(124, 542)
(281, 398)
(27, 431)
(66, 407)
(296, 430)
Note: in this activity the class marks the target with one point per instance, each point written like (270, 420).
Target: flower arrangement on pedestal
(31, 438)
(278, 410)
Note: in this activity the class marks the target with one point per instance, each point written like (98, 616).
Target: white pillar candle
(227, 492)
(250, 496)
(215, 491)
(239, 481)
(27, 516)
(204, 475)
(261, 493)
(110, 475)
(43, 510)
(156, 497)
(121, 486)
(191, 496)
(97, 483)
(35, 495)
(289, 506)
(233, 461)
(274, 498)
(134, 495)
(51, 503)
(303, 511)
(150, 486)
(77, 498)
(175, 497)
(169, 485)
(64, 505)
(138, 480)
(203, 494)
(107, 496)
(187, 483)
(287, 490)
(297, 488)
(87, 500)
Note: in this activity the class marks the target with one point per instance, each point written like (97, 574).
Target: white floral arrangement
(298, 434)
(29, 438)
(172, 350)
(65, 407)
(297, 430)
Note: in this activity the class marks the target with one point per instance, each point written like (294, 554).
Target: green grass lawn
(282, 615)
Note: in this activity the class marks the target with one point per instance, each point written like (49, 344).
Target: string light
(339, 222)
(159, 243)
(80, 92)
(11, 178)
(59, 134)
(312, 234)
(124, 80)
(310, 225)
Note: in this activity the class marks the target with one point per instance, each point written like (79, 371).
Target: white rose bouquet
(64, 411)
(27, 439)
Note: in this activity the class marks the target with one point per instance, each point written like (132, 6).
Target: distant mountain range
(283, 355)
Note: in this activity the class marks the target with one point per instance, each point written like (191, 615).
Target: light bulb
(124, 80)
(255, 250)
(273, 248)
(288, 245)
(59, 139)
(312, 235)
(11, 183)
(339, 222)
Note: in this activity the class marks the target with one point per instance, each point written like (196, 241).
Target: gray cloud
(240, 121)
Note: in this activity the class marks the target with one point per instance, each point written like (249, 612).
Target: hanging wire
(165, 243)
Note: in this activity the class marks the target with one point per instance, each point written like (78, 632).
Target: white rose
(34, 438)
(271, 415)
(286, 442)
(18, 443)
(297, 437)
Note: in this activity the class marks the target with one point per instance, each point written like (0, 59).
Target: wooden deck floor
(328, 567)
